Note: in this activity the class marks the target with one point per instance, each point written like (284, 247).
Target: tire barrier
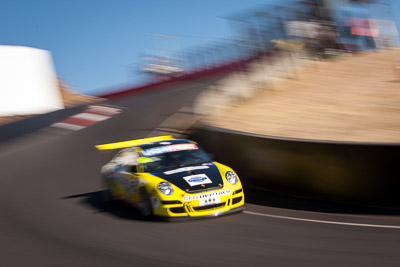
(344, 172)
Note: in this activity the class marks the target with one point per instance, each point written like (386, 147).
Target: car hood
(193, 178)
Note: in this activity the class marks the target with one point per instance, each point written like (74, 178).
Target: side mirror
(132, 168)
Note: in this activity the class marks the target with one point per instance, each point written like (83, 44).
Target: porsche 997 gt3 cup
(170, 177)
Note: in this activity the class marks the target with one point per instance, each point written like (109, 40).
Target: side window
(128, 158)
(132, 168)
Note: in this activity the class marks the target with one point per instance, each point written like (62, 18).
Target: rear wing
(131, 143)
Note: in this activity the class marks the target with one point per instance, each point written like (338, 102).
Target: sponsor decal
(165, 143)
(186, 169)
(209, 201)
(197, 179)
(207, 195)
(165, 149)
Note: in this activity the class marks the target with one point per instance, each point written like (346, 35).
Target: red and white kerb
(92, 115)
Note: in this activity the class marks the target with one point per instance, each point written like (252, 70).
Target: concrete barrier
(367, 173)
(32, 124)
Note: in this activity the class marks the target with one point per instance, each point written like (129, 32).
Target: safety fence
(224, 67)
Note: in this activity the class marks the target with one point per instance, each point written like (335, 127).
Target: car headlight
(165, 188)
(231, 177)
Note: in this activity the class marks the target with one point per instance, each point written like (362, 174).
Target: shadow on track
(116, 208)
(281, 200)
(274, 199)
(124, 211)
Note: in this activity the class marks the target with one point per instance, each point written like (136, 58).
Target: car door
(125, 172)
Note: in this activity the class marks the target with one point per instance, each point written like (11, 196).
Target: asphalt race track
(52, 213)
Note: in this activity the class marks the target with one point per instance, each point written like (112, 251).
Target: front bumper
(184, 218)
(233, 202)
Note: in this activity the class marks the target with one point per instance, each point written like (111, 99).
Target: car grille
(209, 207)
(238, 191)
(236, 200)
(178, 210)
(170, 202)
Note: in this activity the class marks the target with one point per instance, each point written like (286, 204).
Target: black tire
(145, 207)
(107, 194)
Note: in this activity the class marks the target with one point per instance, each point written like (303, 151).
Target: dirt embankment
(354, 98)
(72, 99)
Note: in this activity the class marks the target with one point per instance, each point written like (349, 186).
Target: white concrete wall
(28, 82)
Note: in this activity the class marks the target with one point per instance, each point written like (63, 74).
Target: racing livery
(170, 177)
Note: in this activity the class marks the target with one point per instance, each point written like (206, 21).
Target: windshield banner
(166, 149)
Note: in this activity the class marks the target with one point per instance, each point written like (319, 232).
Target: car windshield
(173, 159)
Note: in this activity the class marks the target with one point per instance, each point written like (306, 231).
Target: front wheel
(145, 206)
(107, 194)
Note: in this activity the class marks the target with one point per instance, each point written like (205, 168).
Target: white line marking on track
(92, 117)
(67, 126)
(321, 221)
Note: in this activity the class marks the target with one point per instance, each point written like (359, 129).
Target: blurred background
(300, 98)
(99, 46)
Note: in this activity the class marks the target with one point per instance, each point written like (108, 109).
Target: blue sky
(97, 43)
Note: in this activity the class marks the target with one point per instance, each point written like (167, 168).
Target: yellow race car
(170, 177)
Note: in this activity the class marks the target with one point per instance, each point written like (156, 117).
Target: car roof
(164, 143)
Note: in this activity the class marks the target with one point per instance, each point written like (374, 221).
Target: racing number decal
(209, 201)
